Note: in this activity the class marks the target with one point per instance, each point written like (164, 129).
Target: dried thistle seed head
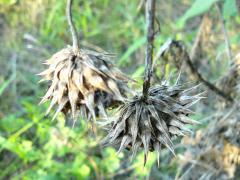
(150, 124)
(85, 82)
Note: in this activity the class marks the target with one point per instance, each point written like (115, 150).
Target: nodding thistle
(151, 123)
(87, 83)
(83, 82)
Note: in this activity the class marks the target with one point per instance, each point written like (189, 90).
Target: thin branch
(150, 16)
(184, 54)
(225, 34)
(207, 83)
(71, 26)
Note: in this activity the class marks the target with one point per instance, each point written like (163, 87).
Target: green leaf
(139, 170)
(49, 177)
(5, 84)
(8, 2)
(110, 158)
(139, 72)
(84, 171)
(11, 123)
(198, 7)
(52, 17)
(229, 9)
(125, 57)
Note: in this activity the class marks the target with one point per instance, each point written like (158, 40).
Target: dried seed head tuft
(85, 82)
(150, 123)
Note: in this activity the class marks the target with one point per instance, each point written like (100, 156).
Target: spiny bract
(151, 123)
(84, 82)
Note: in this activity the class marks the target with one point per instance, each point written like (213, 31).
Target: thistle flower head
(150, 123)
(84, 82)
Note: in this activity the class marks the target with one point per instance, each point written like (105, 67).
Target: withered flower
(82, 81)
(85, 82)
(151, 123)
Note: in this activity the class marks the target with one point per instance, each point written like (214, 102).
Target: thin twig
(184, 54)
(150, 16)
(195, 72)
(207, 83)
(225, 34)
(71, 26)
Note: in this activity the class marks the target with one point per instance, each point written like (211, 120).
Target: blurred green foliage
(198, 7)
(34, 147)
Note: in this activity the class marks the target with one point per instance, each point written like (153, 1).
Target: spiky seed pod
(151, 123)
(85, 82)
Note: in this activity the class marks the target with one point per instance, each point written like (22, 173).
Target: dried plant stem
(71, 26)
(207, 83)
(150, 16)
(182, 53)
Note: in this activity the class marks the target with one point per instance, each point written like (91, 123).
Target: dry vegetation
(205, 49)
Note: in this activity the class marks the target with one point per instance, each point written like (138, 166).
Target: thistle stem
(71, 26)
(150, 15)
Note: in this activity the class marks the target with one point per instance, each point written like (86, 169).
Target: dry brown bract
(151, 123)
(85, 82)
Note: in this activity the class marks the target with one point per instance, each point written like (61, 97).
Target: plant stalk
(150, 16)
(72, 26)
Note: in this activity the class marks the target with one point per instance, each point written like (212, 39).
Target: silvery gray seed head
(150, 124)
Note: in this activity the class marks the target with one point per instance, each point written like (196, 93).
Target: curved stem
(211, 86)
(182, 53)
(71, 26)
(150, 16)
